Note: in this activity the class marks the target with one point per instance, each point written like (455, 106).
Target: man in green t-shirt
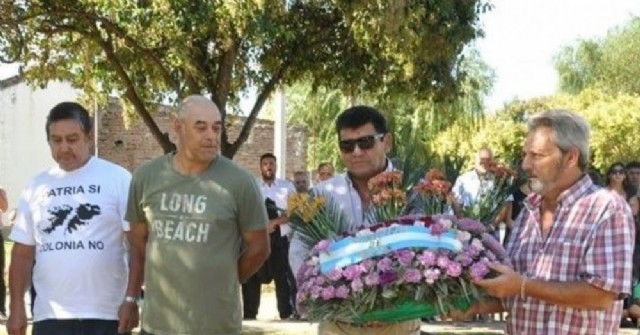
(198, 226)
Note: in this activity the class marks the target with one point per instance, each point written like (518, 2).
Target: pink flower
(353, 271)
(443, 262)
(328, 293)
(315, 292)
(385, 264)
(431, 275)
(437, 229)
(405, 257)
(372, 279)
(412, 276)
(427, 258)
(356, 285)
(320, 280)
(454, 269)
(479, 270)
(322, 246)
(342, 292)
(335, 274)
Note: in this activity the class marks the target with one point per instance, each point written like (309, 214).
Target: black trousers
(75, 327)
(282, 276)
(251, 297)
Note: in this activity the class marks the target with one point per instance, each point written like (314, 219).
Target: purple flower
(315, 292)
(372, 279)
(437, 229)
(478, 270)
(470, 225)
(464, 258)
(431, 275)
(320, 280)
(472, 251)
(490, 256)
(443, 262)
(335, 274)
(342, 292)
(356, 285)
(427, 258)
(454, 270)
(405, 257)
(385, 264)
(328, 293)
(449, 217)
(322, 246)
(353, 271)
(412, 276)
(388, 277)
(493, 245)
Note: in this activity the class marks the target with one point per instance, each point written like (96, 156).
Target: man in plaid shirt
(573, 245)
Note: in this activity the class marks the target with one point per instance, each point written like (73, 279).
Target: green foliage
(610, 64)
(150, 52)
(414, 122)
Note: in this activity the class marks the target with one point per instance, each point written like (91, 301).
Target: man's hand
(507, 284)
(128, 317)
(272, 224)
(17, 322)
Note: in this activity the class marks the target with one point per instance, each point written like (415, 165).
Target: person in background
(301, 181)
(325, 171)
(279, 191)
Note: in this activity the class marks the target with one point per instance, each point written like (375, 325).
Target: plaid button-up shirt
(591, 240)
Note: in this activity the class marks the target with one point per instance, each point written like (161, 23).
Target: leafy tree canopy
(611, 64)
(150, 52)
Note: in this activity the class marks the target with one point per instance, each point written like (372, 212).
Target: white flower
(313, 261)
(464, 236)
(364, 232)
(478, 244)
(419, 223)
(446, 223)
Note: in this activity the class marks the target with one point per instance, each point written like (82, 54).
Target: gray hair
(193, 101)
(568, 130)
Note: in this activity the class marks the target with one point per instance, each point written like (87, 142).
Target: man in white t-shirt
(70, 221)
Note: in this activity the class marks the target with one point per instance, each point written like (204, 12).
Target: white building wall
(23, 145)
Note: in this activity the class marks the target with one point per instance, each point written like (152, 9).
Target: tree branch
(134, 98)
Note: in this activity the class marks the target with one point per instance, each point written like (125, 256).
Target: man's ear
(388, 142)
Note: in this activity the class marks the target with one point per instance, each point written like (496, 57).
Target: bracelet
(523, 286)
(131, 299)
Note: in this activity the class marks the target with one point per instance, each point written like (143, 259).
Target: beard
(536, 185)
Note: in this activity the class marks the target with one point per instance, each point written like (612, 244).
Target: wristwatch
(131, 299)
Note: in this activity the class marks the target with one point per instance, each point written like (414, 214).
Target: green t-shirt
(195, 225)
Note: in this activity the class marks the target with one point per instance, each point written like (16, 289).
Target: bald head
(198, 126)
(195, 102)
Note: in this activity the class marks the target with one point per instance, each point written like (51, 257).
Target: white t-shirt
(279, 191)
(75, 220)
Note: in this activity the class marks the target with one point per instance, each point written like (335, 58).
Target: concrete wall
(23, 145)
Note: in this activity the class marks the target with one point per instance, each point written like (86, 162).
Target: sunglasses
(364, 143)
(617, 171)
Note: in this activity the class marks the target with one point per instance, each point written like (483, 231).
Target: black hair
(610, 169)
(267, 155)
(359, 116)
(69, 111)
(632, 165)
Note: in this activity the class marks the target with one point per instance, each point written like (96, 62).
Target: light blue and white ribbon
(354, 249)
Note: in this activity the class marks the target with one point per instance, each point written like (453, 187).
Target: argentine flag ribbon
(354, 249)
